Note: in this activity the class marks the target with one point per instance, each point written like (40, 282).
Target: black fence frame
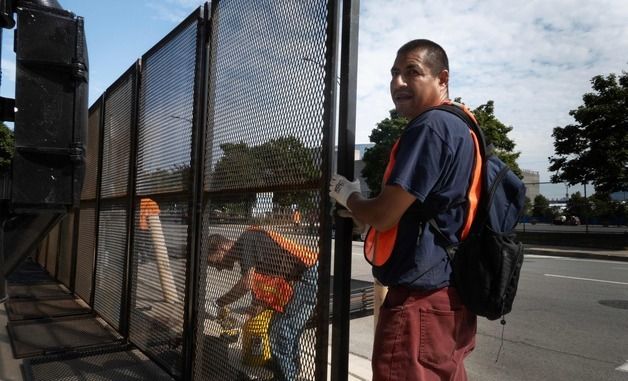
(342, 31)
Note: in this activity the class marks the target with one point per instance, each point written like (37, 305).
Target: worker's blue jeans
(286, 328)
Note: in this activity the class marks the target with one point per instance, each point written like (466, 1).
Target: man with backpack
(424, 331)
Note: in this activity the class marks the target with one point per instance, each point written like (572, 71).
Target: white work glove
(340, 189)
(213, 310)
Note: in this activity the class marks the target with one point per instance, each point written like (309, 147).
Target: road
(570, 322)
(572, 229)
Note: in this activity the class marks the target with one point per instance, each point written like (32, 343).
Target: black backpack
(487, 263)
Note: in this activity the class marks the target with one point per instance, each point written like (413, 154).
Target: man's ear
(443, 78)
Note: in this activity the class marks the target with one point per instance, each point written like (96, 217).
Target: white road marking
(587, 279)
(623, 368)
(536, 256)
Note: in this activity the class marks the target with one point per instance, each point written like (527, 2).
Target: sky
(534, 59)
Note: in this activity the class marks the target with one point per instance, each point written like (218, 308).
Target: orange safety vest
(276, 291)
(378, 246)
(148, 208)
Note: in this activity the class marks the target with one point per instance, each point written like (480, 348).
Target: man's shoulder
(437, 118)
(441, 123)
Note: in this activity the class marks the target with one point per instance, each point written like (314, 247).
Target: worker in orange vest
(281, 275)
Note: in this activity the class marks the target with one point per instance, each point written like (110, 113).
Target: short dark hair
(215, 241)
(435, 55)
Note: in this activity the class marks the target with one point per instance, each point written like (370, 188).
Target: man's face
(413, 87)
(218, 257)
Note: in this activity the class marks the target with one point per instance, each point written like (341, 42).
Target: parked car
(559, 220)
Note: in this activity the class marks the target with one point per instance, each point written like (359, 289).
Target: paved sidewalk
(361, 330)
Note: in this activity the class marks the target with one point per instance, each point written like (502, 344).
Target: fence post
(344, 226)
(195, 223)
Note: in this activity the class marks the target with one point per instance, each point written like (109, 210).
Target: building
(531, 180)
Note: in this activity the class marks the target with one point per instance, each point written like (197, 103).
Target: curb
(574, 253)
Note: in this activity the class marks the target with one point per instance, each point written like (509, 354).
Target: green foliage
(7, 147)
(497, 133)
(595, 148)
(376, 158)
(541, 208)
(268, 167)
(388, 131)
(527, 207)
(578, 206)
(605, 210)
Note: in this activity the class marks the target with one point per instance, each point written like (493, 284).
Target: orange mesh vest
(148, 208)
(275, 291)
(378, 246)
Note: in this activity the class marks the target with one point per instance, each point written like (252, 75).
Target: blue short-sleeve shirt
(434, 161)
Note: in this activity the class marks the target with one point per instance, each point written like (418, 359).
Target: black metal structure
(50, 124)
(344, 226)
(226, 126)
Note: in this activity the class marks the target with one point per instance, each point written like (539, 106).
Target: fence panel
(163, 185)
(52, 251)
(87, 211)
(64, 267)
(111, 253)
(262, 182)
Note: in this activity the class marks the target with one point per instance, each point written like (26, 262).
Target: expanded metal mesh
(91, 158)
(160, 251)
(85, 250)
(87, 213)
(110, 261)
(165, 119)
(262, 202)
(42, 250)
(117, 138)
(64, 267)
(111, 253)
(52, 251)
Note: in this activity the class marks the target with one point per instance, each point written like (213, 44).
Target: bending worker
(424, 331)
(282, 276)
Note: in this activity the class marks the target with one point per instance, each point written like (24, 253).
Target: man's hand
(357, 223)
(340, 189)
(214, 311)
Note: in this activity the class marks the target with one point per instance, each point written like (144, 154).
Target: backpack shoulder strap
(475, 183)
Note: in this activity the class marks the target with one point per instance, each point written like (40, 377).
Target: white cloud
(173, 10)
(535, 59)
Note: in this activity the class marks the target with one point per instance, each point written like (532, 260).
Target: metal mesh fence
(262, 193)
(87, 210)
(267, 125)
(85, 251)
(42, 249)
(91, 158)
(163, 185)
(110, 261)
(52, 251)
(64, 267)
(117, 138)
(111, 253)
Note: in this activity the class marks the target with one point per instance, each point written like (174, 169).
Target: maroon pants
(422, 335)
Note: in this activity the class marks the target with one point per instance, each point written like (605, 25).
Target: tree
(283, 166)
(541, 208)
(595, 148)
(388, 131)
(376, 158)
(7, 147)
(496, 133)
(578, 206)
